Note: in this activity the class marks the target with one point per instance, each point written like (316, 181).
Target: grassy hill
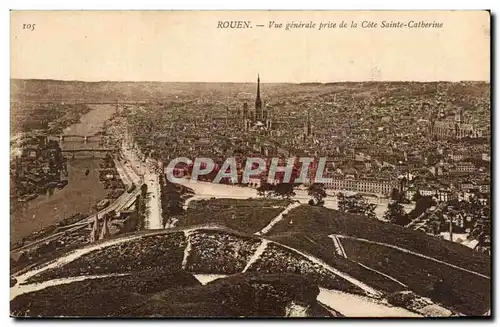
(321, 247)
(465, 292)
(166, 294)
(308, 228)
(318, 220)
(248, 216)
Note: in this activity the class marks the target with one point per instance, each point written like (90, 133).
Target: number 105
(30, 27)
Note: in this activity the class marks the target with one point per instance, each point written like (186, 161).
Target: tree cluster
(395, 214)
(318, 192)
(285, 190)
(171, 199)
(141, 207)
(356, 204)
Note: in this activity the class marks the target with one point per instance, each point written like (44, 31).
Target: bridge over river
(73, 143)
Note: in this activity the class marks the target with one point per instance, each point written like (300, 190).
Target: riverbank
(79, 196)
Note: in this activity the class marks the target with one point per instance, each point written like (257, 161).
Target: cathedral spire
(258, 86)
(258, 101)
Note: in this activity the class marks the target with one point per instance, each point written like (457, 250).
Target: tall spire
(258, 101)
(258, 87)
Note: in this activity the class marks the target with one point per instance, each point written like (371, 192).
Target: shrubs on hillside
(219, 252)
(147, 252)
(50, 249)
(164, 294)
(276, 259)
(254, 294)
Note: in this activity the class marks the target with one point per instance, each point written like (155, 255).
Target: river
(91, 122)
(81, 193)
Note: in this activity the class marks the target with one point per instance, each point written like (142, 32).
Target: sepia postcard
(331, 164)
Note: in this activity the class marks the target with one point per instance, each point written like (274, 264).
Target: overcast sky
(187, 46)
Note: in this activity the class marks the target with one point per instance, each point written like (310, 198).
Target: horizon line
(250, 82)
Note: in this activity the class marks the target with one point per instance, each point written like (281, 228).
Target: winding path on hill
(339, 301)
(257, 254)
(415, 254)
(21, 287)
(33, 287)
(350, 305)
(339, 250)
(278, 218)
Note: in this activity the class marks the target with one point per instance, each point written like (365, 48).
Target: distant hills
(38, 90)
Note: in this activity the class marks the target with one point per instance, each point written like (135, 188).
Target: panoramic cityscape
(252, 198)
(398, 187)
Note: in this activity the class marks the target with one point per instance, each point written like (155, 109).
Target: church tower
(245, 117)
(308, 124)
(245, 110)
(268, 119)
(459, 116)
(258, 102)
(432, 117)
(307, 127)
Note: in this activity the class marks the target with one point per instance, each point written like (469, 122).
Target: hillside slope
(423, 263)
